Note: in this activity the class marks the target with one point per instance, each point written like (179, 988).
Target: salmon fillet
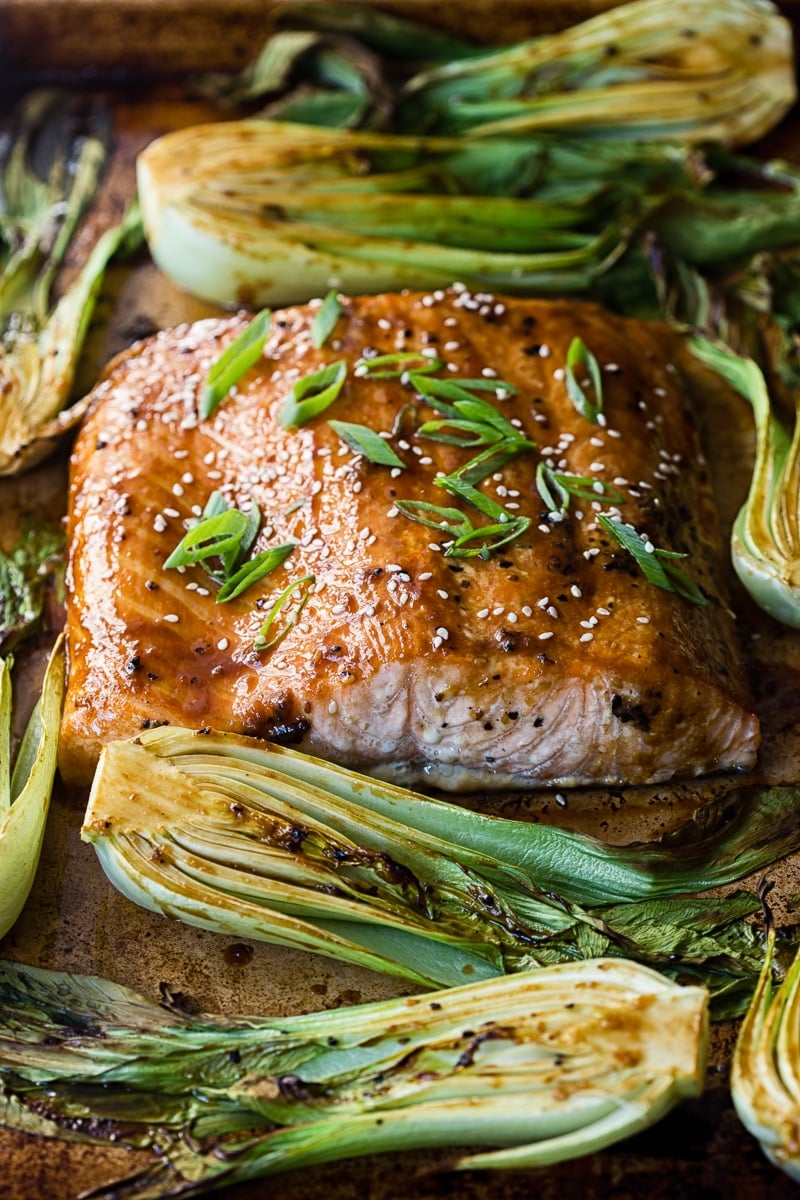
(550, 660)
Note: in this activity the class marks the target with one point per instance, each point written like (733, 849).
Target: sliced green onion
(234, 362)
(312, 394)
(579, 357)
(395, 366)
(435, 390)
(325, 319)
(263, 641)
(449, 520)
(219, 536)
(253, 570)
(367, 442)
(556, 488)
(657, 566)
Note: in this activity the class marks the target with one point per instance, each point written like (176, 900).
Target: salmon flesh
(400, 635)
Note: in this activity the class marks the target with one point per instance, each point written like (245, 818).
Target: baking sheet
(76, 921)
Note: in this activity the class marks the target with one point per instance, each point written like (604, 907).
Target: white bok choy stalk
(537, 1068)
(233, 835)
(25, 790)
(765, 1073)
(57, 153)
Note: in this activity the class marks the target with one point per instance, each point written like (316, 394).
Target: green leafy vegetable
(367, 442)
(235, 360)
(31, 575)
(257, 841)
(254, 569)
(312, 394)
(56, 155)
(25, 791)
(536, 1069)
(397, 366)
(657, 566)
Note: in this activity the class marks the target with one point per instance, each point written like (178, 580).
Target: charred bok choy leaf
(56, 155)
(31, 582)
(537, 1068)
(234, 835)
(25, 789)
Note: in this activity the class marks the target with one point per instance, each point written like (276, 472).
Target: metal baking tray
(137, 53)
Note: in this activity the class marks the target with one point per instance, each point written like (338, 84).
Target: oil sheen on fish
(547, 659)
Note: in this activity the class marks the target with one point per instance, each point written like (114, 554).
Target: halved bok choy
(765, 1073)
(25, 789)
(765, 541)
(233, 835)
(691, 70)
(512, 1072)
(58, 150)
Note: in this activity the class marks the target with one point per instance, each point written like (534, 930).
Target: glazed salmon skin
(539, 655)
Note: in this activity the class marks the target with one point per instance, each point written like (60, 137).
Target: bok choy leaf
(536, 1068)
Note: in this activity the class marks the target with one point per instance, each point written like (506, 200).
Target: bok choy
(536, 1068)
(236, 836)
(25, 790)
(765, 1074)
(57, 152)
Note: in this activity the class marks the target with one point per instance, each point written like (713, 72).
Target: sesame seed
(202, 591)
(498, 612)
(171, 512)
(576, 591)
(332, 707)
(544, 528)
(604, 612)
(561, 800)
(586, 637)
(223, 644)
(643, 620)
(512, 617)
(527, 611)
(483, 612)
(426, 575)
(172, 618)
(436, 643)
(159, 524)
(443, 595)
(552, 611)
(544, 636)
(442, 632)
(489, 372)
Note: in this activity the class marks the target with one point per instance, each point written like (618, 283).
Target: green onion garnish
(218, 536)
(394, 366)
(261, 642)
(253, 570)
(367, 442)
(325, 319)
(579, 356)
(657, 566)
(236, 359)
(556, 488)
(312, 394)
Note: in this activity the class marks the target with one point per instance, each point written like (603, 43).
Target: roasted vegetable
(692, 70)
(539, 1068)
(31, 583)
(236, 836)
(25, 790)
(765, 1074)
(57, 152)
